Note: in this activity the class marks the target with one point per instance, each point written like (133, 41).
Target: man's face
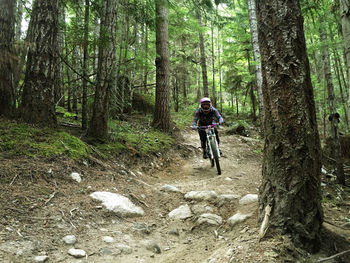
(205, 106)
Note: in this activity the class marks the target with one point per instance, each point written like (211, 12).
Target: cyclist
(206, 115)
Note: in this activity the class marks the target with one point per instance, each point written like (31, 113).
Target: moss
(110, 149)
(21, 139)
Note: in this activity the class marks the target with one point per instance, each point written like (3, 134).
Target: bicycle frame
(211, 136)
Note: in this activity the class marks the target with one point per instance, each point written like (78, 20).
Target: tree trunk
(345, 21)
(59, 74)
(37, 104)
(7, 62)
(256, 54)
(98, 127)
(213, 65)
(85, 66)
(291, 166)
(162, 107)
(332, 109)
(203, 58)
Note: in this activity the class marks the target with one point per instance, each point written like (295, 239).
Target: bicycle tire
(215, 155)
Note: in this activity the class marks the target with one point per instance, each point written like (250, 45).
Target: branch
(334, 256)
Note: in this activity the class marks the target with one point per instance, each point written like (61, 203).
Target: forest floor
(40, 205)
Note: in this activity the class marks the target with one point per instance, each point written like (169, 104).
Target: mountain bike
(212, 146)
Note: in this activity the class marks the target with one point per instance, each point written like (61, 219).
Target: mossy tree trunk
(7, 62)
(291, 164)
(162, 106)
(106, 66)
(37, 105)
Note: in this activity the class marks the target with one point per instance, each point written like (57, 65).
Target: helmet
(205, 101)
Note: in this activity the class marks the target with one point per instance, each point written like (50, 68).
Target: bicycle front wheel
(215, 155)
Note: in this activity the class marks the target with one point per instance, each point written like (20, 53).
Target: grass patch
(18, 139)
(137, 135)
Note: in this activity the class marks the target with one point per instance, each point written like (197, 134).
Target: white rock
(77, 253)
(248, 199)
(201, 195)
(108, 239)
(201, 209)
(118, 204)
(40, 259)
(125, 249)
(228, 179)
(169, 188)
(70, 239)
(76, 177)
(238, 217)
(181, 212)
(228, 197)
(210, 219)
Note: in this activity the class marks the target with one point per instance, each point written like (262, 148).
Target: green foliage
(184, 117)
(135, 136)
(22, 139)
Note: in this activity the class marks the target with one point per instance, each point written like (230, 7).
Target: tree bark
(7, 61)
(162, 106)
(291, 165)
(256, 54)
(106, 66)
(345, 21)
(37, 105)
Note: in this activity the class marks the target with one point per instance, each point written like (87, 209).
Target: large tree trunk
(37, 104)
(106, 66)
(291, 164)
(345, 21)
(7, 34)
(162, 107)
(256, 54)
(332, 109)
(59, 73)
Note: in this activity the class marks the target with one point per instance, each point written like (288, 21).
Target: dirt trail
(72, 211)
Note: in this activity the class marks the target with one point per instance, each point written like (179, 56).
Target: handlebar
(205, 127)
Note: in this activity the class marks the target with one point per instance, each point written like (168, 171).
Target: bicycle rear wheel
(215, 155)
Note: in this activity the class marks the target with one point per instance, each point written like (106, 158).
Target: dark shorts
(203, 137)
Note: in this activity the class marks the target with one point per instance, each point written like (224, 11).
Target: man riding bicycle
(206, 115)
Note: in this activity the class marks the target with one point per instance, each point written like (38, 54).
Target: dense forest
(280, 66)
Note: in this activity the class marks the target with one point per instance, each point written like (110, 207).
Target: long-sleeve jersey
(205, 119)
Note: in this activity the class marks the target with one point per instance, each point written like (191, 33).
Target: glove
(194, 127)
(221, 121)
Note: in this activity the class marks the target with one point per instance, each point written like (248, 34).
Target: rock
(125, 249)
(108, 239)
(70, 239)
(152, 246)
(201, 209)
(76, 177)
(142, 227)
(201, 195)
(238, 217)
(119, 204)
(40, 259)
(210, 219)
(106, 251)
(181, 212)
(77, 253)
(248, 199)
(169, 188)
(174, 232)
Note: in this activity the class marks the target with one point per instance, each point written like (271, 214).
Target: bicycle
(212, 146)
